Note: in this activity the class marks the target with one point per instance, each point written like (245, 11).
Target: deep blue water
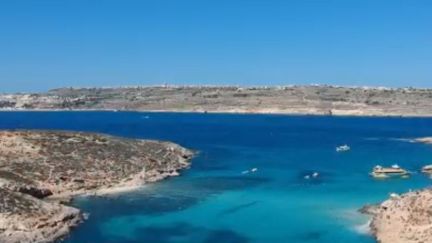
(214, 202)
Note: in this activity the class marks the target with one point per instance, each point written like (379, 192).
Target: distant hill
(318, 100)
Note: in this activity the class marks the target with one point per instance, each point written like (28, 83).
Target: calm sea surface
(214, 202)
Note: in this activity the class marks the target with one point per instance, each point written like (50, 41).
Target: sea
(251, 180)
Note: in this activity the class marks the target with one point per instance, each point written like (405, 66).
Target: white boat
(427, 169)
(253, 170)
(311, 176)
(343, 148)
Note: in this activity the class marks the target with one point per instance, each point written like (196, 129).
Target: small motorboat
(253, 170)
(343, 148)
(314, 175)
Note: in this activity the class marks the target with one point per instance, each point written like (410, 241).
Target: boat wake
(405, 140)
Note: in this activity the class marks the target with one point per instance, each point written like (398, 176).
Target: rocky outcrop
(24, 218)
(403, 219)
(35, 192)
(35, 165)
(369, 209)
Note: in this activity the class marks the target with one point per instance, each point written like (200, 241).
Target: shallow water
(215, 202)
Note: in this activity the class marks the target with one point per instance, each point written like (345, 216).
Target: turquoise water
(214, 202)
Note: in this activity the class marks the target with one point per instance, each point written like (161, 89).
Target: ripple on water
(134, 204)
(183, 232)
(237, 208)
(225, 183)
(226, 236)
(166, 197)
(311, 236)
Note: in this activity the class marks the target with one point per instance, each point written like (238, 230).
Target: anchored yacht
(385, 172)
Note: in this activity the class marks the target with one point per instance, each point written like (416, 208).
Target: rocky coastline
(40, 170)
(405, 218)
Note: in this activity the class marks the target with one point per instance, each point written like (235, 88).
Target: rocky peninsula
(313, 99)
(403, 219)
(40, 170)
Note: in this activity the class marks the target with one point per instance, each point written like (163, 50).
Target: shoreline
(231, 112)
(114, 189)
(67, 198)
(42, 171)
(286, 100)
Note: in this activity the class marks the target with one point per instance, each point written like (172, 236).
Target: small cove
(214, 202)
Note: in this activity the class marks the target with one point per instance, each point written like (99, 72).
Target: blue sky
(47, 44)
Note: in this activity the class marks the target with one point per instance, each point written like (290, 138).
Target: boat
(385, 172)
(343, 148)
(253, 170)
(427, 169)
(314, 175)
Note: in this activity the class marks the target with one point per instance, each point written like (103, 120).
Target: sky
(82, 43)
